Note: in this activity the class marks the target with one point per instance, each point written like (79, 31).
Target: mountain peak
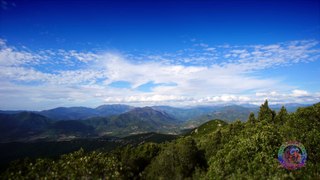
(148, 113)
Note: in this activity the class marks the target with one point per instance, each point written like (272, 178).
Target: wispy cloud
(201, 75)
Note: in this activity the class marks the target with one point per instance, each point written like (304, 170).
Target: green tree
(265, 113)
(282, 116)
(252, 119)
(76, 165)
(177, 161)
(250, 154)
(136, 159)
(211, 143)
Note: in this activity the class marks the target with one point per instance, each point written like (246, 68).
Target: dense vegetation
(229, 151)
(54, 149)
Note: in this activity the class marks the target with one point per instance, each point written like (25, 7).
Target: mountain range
(66, 123)
(78, 113)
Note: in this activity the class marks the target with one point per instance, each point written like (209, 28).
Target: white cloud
(143, 99)
(51, 78)
(299, 93)
(12, 57)
(210, 49)
(267, 94)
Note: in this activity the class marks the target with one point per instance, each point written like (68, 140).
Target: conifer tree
(252, 119)
(282, 116)
(266, 113)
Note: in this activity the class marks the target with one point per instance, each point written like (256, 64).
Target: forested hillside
(216, 150)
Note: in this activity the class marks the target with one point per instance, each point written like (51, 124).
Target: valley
(62, 124)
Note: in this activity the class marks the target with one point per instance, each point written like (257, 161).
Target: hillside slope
(238, 150)
(136, 121)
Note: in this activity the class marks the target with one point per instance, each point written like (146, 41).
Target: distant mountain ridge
(179, 113)
(185, 114)
(113, 120)
(19, 126)
(136, 121)
(78, 113)
(29, 126)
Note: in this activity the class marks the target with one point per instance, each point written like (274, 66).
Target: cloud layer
(198, 75)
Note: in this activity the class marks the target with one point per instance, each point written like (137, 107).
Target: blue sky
(87, 53)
